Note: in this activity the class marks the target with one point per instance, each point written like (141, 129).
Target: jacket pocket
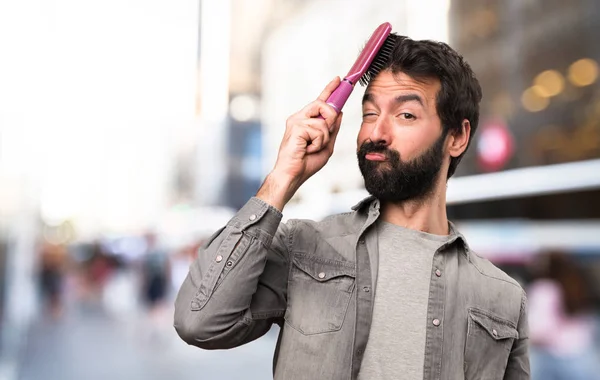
(488, 344)
(319, 292)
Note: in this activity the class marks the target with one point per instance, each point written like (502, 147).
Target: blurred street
(124, 148)
(90, 343)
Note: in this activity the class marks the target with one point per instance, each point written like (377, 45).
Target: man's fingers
(334, 132)
(316, 137)
(318, 121)
(331, 86)
(317, 109)
(321, 126)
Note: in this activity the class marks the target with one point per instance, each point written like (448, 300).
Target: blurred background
(131, 130)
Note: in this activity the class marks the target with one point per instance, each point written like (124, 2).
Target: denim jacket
(317, 281)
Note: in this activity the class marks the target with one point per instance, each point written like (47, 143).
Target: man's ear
(459, 140)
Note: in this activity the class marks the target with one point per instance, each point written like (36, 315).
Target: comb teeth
(380, 61)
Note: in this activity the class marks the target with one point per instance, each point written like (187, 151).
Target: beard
(395, 180)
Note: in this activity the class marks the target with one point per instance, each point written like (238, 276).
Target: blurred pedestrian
(155, 275)
(97, 271)
(563, 322)
(51, 273)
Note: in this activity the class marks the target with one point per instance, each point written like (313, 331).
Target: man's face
(400, 144)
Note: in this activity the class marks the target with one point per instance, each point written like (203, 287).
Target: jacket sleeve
(236, 287)
(518, 361)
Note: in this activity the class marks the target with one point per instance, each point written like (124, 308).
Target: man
(388, 291)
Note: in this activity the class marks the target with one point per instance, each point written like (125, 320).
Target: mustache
(372, 147)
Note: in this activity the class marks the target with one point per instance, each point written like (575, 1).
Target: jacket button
(366, 289)
(495, 333)
(219, 258)
(229, 263)
(322, 275)
(252, 217)
(436, 322)
(438, 273)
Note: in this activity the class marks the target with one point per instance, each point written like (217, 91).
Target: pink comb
(338, 98)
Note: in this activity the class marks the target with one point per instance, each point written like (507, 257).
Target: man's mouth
(375, 157)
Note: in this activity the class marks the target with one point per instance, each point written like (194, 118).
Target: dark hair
(460, 92)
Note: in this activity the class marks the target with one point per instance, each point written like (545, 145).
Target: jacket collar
(365, 202)
(373, 204)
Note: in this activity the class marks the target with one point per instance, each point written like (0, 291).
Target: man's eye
(369, 115)
(407, 116)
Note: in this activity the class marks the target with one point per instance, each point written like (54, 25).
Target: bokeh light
(548, 83)
(244, 107)
(532, 99)
(583, 72)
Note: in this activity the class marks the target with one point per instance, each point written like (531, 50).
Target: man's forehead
(401, 81)
(388, 86)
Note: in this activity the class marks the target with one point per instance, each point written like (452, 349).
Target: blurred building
(537, 62)
(96, 99)
(530, 182)
(225, 168)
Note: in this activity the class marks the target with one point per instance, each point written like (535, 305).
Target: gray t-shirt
(396, 346)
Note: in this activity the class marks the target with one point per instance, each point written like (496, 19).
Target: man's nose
(381, 132)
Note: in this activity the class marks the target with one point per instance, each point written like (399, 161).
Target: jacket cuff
(259, 219)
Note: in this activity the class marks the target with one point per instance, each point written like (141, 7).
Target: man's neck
(427, 214)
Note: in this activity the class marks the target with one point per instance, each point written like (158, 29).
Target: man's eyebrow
(367, 97)
(410, 98)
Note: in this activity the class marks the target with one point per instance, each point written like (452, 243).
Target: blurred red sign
(495, 146)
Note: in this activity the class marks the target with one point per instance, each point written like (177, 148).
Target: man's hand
(306, 147)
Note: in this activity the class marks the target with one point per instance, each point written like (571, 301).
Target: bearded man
(390, 290)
